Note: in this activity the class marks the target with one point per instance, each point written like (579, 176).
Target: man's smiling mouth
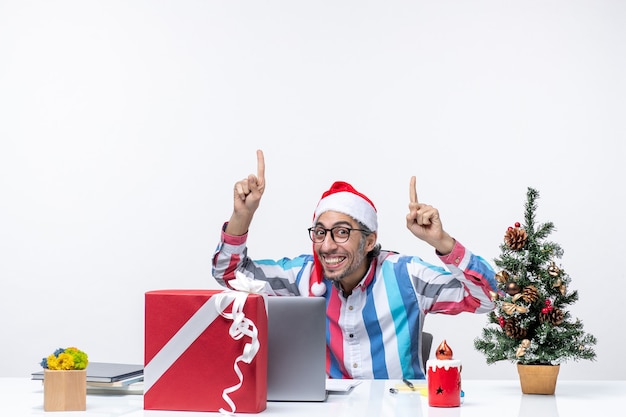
(333, 260)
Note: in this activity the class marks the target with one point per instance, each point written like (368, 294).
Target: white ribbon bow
(246, 284)
(241, 327)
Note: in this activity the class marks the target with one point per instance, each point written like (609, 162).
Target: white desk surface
(24, 397)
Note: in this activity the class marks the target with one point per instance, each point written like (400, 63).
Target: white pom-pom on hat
(318, 289)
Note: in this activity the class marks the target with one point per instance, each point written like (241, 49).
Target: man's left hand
(424, 222)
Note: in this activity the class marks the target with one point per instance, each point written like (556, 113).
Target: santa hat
(343, 198)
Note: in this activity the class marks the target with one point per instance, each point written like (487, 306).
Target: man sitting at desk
(376, 300)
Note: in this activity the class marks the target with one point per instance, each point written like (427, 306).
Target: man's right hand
(247, 196)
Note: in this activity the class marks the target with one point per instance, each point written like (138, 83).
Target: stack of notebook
(104, 376)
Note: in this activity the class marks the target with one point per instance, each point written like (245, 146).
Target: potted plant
(531, 325)
(65, 380)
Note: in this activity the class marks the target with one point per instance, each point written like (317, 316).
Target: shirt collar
(365, 281)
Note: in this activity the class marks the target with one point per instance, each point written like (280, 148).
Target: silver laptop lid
(296, 367)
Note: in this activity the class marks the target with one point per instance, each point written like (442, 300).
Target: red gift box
(191, 358)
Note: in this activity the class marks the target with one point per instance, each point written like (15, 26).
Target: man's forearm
(238, 225)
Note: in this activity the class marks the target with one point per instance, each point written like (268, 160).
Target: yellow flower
(52, 362)
(64, 362)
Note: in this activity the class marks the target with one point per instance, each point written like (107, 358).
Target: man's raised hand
(247, 196)
(424, 222)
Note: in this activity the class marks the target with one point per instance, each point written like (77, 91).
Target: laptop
(296, 367)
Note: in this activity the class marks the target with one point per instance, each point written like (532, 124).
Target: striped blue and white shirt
(375, 332)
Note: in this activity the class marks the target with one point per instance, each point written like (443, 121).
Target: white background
(125, 124)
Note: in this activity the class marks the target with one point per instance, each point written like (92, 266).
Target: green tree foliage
(531, 323)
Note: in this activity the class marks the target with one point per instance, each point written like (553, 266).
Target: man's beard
(356, 262)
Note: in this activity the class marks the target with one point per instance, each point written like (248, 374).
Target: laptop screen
(296, 367)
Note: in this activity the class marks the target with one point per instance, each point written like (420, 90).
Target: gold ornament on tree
(562, 288)
(512, 288)
(510, 308)
(521, 349)
(556, 272)
(502, 277)
(553, 270)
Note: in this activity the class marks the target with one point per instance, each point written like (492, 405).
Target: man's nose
(328, 241)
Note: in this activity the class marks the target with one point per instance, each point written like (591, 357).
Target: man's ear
(371, 241)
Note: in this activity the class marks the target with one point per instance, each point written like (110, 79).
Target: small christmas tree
(532, 324)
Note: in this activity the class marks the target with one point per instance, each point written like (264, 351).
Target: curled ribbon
(241, 327)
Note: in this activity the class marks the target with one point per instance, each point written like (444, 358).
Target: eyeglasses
(340, 234)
